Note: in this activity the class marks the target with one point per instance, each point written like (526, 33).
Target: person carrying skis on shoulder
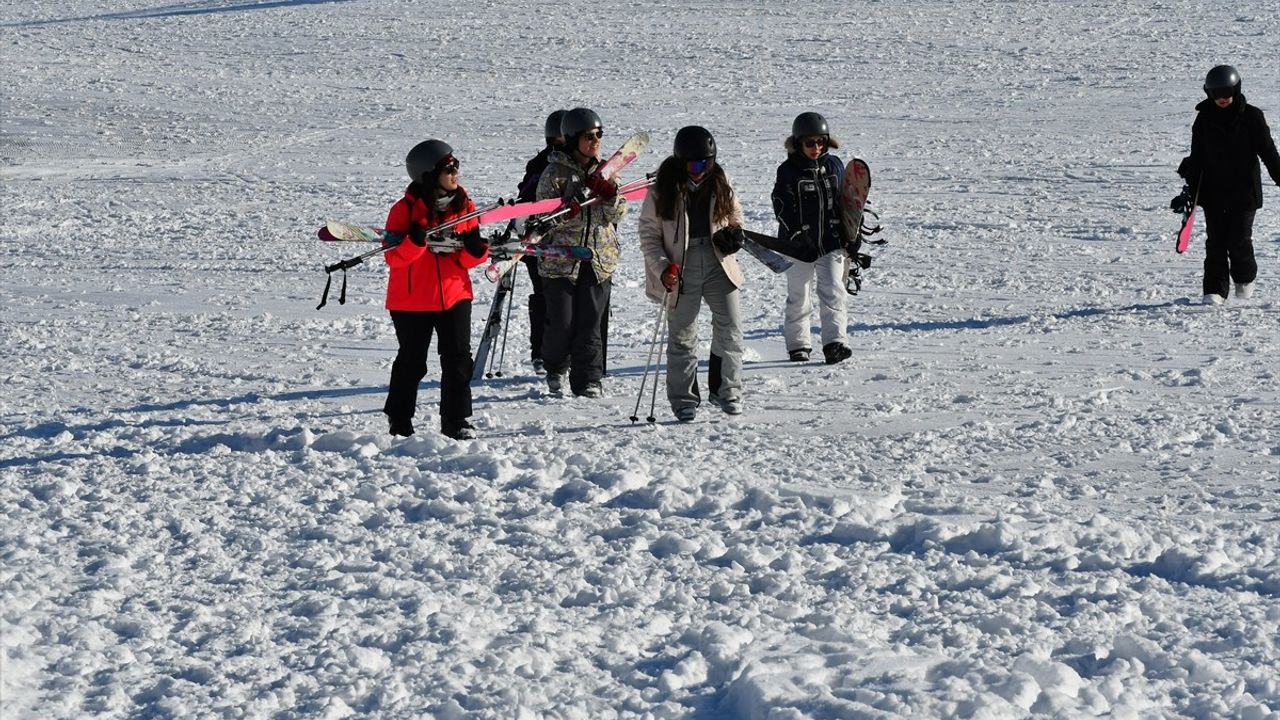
(690, 228)
(528, 192)
(806, 201)
(578, 293)
(1227, 138)
(429, 291)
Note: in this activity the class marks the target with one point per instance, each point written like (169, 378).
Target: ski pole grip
(343, 264)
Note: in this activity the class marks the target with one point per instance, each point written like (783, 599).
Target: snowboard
(853, 212)
(853, 201)
(772, 259)
(1188, 222)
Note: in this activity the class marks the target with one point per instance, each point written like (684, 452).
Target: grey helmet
(577, 121)
(807, 124)
(1220, 79)
(552, 129)
(425, 157)
(694, 143)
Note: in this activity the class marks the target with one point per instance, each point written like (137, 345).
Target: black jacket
(1225, 147)
(528, 187)
(806, 200)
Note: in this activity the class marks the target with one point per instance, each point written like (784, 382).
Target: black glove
(728, 240)
(418, 235)
(1183, 202)
(473, 243)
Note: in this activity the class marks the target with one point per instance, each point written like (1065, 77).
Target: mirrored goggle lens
(698, 167)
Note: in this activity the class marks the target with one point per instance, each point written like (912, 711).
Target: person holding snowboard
(806, 201)
(1227, 138)
(429, 291)
(528, 192)
(690, 228)
(577, 294)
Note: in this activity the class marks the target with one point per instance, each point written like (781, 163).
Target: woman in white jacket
(690, 228)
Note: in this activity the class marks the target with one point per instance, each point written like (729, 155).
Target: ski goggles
(698, 167)
(449, 164)
(815, 141)
(592, 134)
(1220, 93)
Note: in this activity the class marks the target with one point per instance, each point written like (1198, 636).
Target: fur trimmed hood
(833, 143)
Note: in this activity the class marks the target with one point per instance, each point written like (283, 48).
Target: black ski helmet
(577, 121)
(424, 157)
(694, 143)
(552, 129)
(807, 124)
(1222, 77)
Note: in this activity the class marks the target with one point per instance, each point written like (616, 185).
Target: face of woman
(589, 143)
(813, 146)
(1224, 102)
(448, 178)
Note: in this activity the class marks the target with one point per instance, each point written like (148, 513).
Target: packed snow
(1046, 484)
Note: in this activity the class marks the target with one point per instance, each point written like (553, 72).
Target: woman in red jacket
(429, 290)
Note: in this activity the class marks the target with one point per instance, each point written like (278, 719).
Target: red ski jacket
(421, 280)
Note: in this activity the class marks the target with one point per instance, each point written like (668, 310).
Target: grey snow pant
(703, 279)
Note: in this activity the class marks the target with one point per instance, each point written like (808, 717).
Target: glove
(575, 208)
(418, 235)
(1183, 202)
(671, 277)
(473, 243)
(728, 240)
(605, 189)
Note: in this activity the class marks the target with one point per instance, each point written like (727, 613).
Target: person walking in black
(1227, 139)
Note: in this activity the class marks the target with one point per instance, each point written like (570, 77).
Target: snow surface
(1046, 484)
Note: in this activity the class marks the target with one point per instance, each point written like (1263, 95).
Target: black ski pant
(452, 329)
(574, 313)
(1228, 250)
(537, 307)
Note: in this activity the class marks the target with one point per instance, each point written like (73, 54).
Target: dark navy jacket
(806, 200)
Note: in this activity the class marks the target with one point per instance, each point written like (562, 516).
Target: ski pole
(657, 366)
(648, 360)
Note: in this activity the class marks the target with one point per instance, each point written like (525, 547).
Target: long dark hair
(671, 180)
(428, 198)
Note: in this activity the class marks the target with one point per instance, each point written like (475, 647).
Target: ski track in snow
(1046, 484)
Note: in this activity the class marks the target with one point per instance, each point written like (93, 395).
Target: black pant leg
(413, 333)
(1217, 273)
(1228, 251)
(1244, 266)
(587, 350)
(537, 308)
(559, 296)
(453, 328)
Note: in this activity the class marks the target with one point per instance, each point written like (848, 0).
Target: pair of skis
(499, 247)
